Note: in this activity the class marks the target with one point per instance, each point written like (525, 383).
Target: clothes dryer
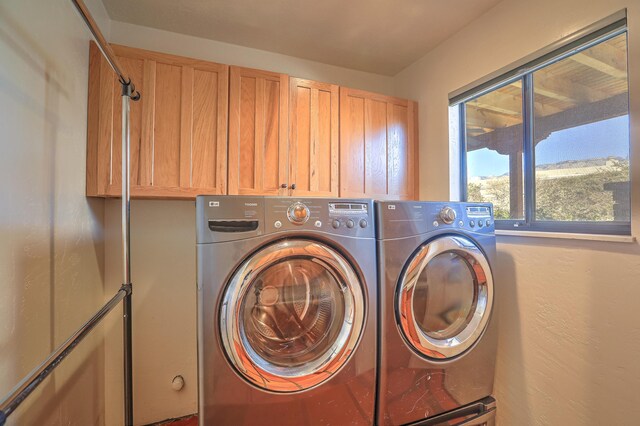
(437, 328)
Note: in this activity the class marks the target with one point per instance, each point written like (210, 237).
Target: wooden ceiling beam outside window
(605, 58)
(489, 119)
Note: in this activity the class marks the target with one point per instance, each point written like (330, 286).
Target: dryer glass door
(292, 315)
(444, 297)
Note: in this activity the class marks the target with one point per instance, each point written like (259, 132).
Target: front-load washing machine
(437, 332)
(286, 311)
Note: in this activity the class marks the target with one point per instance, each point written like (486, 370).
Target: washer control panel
(342, 217)
(229, 218)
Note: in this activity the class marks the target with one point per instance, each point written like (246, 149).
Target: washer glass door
(291, 315)
(445, 297)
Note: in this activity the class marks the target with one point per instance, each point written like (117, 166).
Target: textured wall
(51, 244)
(569, 332)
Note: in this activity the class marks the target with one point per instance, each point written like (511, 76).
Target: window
(548, 143)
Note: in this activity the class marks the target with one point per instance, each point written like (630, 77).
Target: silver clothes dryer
(437, 333)
(286, 311)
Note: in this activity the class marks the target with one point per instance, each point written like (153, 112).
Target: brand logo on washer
(214, 203)
(251, 204)
(391, 206)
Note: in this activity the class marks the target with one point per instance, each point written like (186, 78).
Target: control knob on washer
(298, 213)
(448, 215)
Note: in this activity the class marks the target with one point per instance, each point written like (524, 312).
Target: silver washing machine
(437, 334)
(286, 311)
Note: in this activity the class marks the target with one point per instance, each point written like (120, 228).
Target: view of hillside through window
(580, 140)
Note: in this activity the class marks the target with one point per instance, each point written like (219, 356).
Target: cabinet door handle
(293, 186)
(283, 186)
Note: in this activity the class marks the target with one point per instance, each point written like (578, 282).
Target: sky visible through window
(601, 139)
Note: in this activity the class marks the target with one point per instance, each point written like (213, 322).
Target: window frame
(606, 29)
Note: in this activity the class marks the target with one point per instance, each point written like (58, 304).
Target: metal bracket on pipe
(127, 288)
(129, 90)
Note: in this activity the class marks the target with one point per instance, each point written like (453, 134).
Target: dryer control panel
(405, 218)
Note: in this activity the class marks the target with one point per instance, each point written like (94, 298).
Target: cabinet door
(104, 129)
(378, 146)
(313, 138)
(178, 130)
(258, 107)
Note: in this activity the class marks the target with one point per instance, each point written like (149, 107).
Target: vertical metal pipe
(126, 269)
(126, 274)
(128, 363)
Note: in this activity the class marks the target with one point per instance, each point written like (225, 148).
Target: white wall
(569, 331)
(163, 246)
(51, 243)
(163, 273)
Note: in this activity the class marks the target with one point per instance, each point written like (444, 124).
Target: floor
(182, 421)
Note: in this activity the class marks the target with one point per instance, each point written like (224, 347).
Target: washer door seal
(444, 297)
(292, 315)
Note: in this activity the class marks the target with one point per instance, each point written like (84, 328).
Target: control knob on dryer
(448, 215)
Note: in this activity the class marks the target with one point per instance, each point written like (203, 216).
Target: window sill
(568, 236)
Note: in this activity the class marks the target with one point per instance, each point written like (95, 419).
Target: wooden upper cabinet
(325, 140)
(178, 130)
(378, 146)
(258, 108)
(313, 138)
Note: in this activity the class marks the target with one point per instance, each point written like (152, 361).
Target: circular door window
(291, 315)
(445, 297)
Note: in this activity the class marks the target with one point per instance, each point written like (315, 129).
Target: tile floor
(182, 421)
